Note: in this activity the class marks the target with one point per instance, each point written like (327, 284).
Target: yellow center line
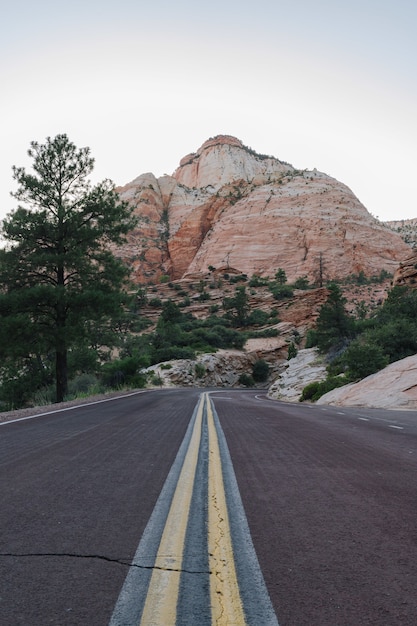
(226, 603)
(161, 602)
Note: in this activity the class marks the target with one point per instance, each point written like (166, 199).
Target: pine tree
(61, 286)
(334, 325)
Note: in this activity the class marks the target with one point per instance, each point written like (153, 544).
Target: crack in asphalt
(102, 557)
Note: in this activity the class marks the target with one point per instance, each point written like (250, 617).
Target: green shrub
(155, 303)
(246, 380)
(301, 283)
(83, 384)
(309, 391)
(258, 318)
(200, 370)
(292, 351)
(363, 359)
(260, 371)
(282, 292)
(314, 391)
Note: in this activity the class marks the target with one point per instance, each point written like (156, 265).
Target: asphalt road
(330, 497)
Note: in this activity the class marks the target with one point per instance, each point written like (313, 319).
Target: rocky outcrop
(306, 367)
(406, 273)
(394, 387)
(226, 206)
(221, 369)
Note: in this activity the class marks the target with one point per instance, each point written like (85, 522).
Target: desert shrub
(123, 373)
(258, 318)
(260, 371)
(292, 351)
(282, 292)
(257, 281)
(362, 359)
(246, 380)
(155, 303)
(83, 384)
(309, 391)
(301, 283)
(200, 370)
(314, 391)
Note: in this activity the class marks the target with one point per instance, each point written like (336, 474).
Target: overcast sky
(319, 84)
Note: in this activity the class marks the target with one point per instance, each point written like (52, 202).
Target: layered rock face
(406, 273)
(392, 388)
(228, 207)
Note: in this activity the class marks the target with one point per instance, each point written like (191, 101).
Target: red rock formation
(406, 273)
(227, 206)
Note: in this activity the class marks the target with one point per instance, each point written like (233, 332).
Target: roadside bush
(315, 390)
(123, 373)
(84, 384)
(363, 359)
(260, 371)
(246, 380)
(200, 370)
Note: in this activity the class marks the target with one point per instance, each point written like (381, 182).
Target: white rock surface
(301, 370)
(394, 387)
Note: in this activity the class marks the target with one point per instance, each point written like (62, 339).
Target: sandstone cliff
(228, 207)
(406, 273)
(392, 388)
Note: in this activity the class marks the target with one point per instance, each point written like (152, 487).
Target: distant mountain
(230, 208)
(407, 229)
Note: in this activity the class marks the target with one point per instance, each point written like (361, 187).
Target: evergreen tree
(281, 276)
(61, 287)
(334, 325)
(238, 307)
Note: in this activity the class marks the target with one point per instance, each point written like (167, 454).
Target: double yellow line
(160, 607)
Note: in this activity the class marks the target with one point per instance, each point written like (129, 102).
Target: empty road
(125, 511)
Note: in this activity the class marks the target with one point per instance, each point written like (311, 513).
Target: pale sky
(320, 84)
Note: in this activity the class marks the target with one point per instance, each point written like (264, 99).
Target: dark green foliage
(200, 370)
(397, 338)
(238, 278)
(390, 335)
(155, 303)
(334, 326)
(123, 372)
(246, 380)
(281, 292)
(281, 276)
(309, 391)
(260, 371)
(83, 384)
(311, 338)
(237, 308)
(292, 351)
(362, 359)
(179, 335)
(301, 283)
(315, 390)
(257, 281)
(258, 318)
(62, 288)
